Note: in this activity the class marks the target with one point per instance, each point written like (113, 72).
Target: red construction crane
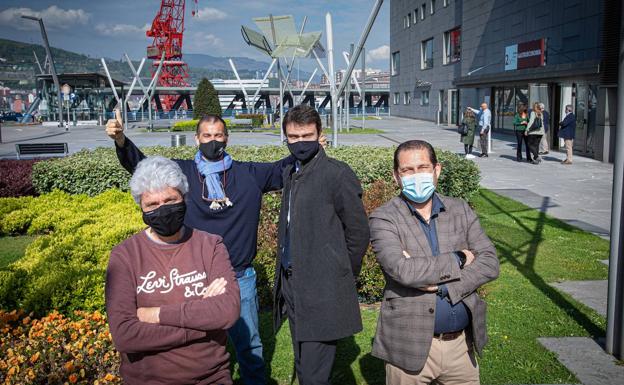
(168, 30)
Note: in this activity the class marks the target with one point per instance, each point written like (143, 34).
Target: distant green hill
(18, 67)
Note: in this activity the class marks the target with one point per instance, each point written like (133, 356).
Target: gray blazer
(405, 324)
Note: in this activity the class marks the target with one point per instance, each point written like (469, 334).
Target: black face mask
(212, 150)
(303, 151)
(167, 219)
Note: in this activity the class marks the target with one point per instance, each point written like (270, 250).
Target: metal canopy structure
(285, 42)
(278, 39)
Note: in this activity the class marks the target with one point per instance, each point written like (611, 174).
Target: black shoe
(518, 159)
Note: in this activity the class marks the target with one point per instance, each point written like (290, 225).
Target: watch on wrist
(462, 258)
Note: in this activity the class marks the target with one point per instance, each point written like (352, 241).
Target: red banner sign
(531, 54)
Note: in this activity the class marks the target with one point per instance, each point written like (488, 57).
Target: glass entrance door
(585, 100)
(454, 110)
(443, 100)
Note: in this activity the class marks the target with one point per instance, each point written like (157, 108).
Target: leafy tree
(206, 100)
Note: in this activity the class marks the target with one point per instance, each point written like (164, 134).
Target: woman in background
(535, 131)
(468, 138)
(521, 120)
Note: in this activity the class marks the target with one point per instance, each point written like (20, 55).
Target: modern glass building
(449, 54)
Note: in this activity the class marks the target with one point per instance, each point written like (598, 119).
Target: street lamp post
(44, 36)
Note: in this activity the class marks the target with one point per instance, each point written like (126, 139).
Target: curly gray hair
(156, 173)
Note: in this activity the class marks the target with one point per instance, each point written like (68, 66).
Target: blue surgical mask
(418, 187)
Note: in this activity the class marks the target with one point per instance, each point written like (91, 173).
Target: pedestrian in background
(484, 119)
(544, 147)
(534, 132)
(567, 130)
(467, 137)
(521, 120)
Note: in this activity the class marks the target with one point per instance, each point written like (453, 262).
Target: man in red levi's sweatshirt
(171, 293)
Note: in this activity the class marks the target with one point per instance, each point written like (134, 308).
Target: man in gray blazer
(434, 255)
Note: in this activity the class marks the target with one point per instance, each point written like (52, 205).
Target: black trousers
(520, 138)
(313, 359)
(534, 141)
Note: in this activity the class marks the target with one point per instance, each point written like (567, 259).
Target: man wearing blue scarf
(224, 198)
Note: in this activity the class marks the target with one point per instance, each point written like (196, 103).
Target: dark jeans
(245, 334)
(520, 137)
(467, 149)
(313, 359)
(534, 141)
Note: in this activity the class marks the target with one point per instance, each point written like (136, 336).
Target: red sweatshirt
(188, 346)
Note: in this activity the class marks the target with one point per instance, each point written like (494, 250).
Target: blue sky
(111, 27)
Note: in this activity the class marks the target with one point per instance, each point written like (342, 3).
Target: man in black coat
(323, 235)
(567, 131)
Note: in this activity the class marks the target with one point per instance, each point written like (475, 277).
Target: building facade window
(423, 10)
(445, 3)
(404, 22)
(433, 4)
(424, 98)
(396, 62)
(396, 98)
(415, 15)
(407, 98)
(409, 19)
(452, 46)
(426, 54)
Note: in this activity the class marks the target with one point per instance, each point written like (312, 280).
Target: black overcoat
(329, 235)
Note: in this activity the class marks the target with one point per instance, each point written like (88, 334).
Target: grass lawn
(534, 250)
(12, 248)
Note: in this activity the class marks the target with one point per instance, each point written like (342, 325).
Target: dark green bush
(92, 172)
(206, 100)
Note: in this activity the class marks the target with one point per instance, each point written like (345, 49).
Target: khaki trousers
(568, 147)
(449, 363)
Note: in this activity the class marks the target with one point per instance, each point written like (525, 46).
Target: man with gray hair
(567, 130)
(171, 292)
(484, 121)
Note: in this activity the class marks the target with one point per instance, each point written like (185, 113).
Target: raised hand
(114, 129)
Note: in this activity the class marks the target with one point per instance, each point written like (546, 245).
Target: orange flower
(73, 378)
(34, 357)
(69, 366)
(109, 377)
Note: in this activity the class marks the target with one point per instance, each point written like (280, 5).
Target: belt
(447, 336)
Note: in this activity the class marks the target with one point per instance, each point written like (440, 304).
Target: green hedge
(92, 172)
(64, 268)
(190, 125)
(257, 120)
